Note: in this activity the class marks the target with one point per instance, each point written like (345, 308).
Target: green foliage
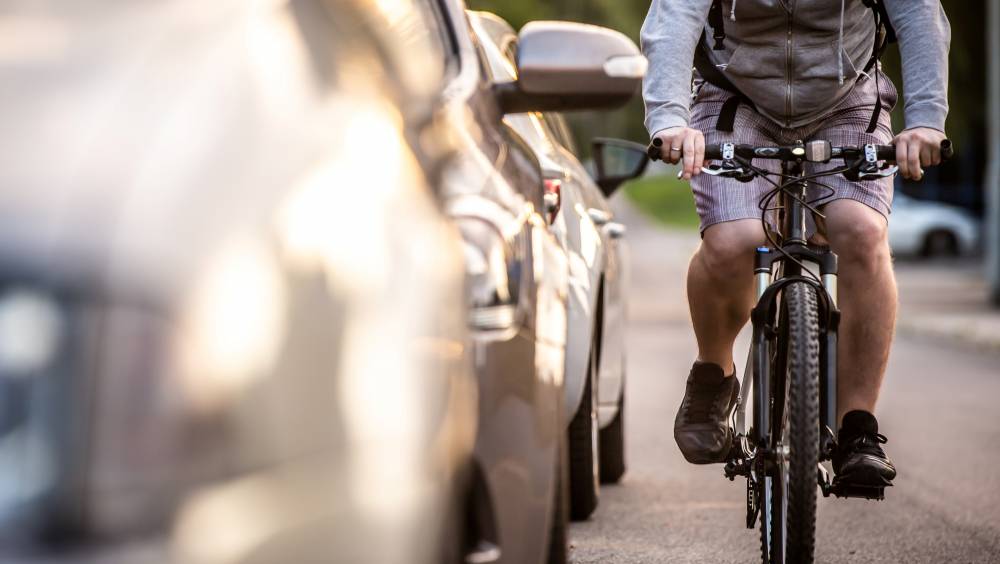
(665, 199)
(624, 15)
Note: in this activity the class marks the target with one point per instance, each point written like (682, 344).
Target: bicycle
(793, 355)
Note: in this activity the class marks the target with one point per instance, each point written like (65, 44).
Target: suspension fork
(794, 216)
(761, 360)
(828, 359)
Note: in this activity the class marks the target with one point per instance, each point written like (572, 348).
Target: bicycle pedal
(846, 490)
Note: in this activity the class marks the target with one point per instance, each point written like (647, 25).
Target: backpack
(884, 35)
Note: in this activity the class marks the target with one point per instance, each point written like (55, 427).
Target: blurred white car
(924, 228)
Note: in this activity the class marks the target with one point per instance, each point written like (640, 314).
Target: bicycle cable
(789, 181)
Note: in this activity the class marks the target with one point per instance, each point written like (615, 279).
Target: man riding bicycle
(772, 72)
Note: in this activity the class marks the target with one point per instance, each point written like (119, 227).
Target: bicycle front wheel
(788, 520)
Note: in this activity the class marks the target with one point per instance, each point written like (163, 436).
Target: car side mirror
(616, 162)
(565, 66)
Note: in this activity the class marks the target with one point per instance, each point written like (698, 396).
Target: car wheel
(584, 459)
(612, 445)
(558, 552)
(940, 244)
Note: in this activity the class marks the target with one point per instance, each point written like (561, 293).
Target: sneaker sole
(712, 457)
(865, 477)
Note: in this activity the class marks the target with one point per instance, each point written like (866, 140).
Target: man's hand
(686, 142)
(918, 148)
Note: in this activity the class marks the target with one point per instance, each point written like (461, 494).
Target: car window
(414, 33)
(445, 34)
(560, 129)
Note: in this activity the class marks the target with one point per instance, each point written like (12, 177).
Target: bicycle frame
(773, 270)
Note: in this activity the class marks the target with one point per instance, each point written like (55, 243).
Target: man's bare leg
(720, 287)
(720, 293)
(858, 234)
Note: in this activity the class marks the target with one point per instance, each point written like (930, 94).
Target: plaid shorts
(723, 199)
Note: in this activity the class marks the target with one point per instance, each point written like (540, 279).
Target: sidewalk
(947, 300)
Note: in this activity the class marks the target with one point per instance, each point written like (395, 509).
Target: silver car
(232, 325)
(518, 271)
(582, 221)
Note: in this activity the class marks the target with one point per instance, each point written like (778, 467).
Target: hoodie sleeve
(924, 36)
(668, 38)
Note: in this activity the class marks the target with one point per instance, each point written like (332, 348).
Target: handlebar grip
(655, 149)
(885, 153)
(947, 150)
(888, 152)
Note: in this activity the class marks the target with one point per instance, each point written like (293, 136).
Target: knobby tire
(798, 429)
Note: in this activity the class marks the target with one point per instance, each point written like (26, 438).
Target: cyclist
(780, 71)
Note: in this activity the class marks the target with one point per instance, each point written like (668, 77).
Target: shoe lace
(702, 402)
(870, 443)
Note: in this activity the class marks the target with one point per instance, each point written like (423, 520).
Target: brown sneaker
(701, 428)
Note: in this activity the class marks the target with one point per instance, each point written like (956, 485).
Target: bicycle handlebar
(798, 152)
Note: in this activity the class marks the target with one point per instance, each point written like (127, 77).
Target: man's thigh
(733, 239)
(854, 229)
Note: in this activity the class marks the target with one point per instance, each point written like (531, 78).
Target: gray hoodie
(795, 59)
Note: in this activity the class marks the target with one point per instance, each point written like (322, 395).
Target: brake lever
(716, 170)
(878, 174)
(738, 172)
(867, 167)
(729, 169)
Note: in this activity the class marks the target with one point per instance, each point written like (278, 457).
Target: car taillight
(553, 197)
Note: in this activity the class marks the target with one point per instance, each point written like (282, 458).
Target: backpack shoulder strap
(712, 75)
(883, 20)
(716, 20)
(884, 35)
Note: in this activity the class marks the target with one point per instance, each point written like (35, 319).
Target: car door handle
(615, 230)
(599, 217)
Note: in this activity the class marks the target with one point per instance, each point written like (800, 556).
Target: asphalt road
(940, 409)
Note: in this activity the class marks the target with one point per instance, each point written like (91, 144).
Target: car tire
(558, 537)
(940, 243)
(612, 447)
(584, 455)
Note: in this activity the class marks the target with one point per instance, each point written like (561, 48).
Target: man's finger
(913, 161)
(935, 154)
(926, 155)
(668, 149)
(901, 157)
(688, 155)
(699, 153)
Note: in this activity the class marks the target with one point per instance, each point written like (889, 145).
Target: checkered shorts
(722, 199)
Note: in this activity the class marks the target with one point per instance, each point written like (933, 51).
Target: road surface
(940, 409)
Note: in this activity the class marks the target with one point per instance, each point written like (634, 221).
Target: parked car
(232, 327)
(518, 271)
(582, 221)
(925, 228)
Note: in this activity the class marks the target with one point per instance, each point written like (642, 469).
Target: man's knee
(858, 234)
(727, 248)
